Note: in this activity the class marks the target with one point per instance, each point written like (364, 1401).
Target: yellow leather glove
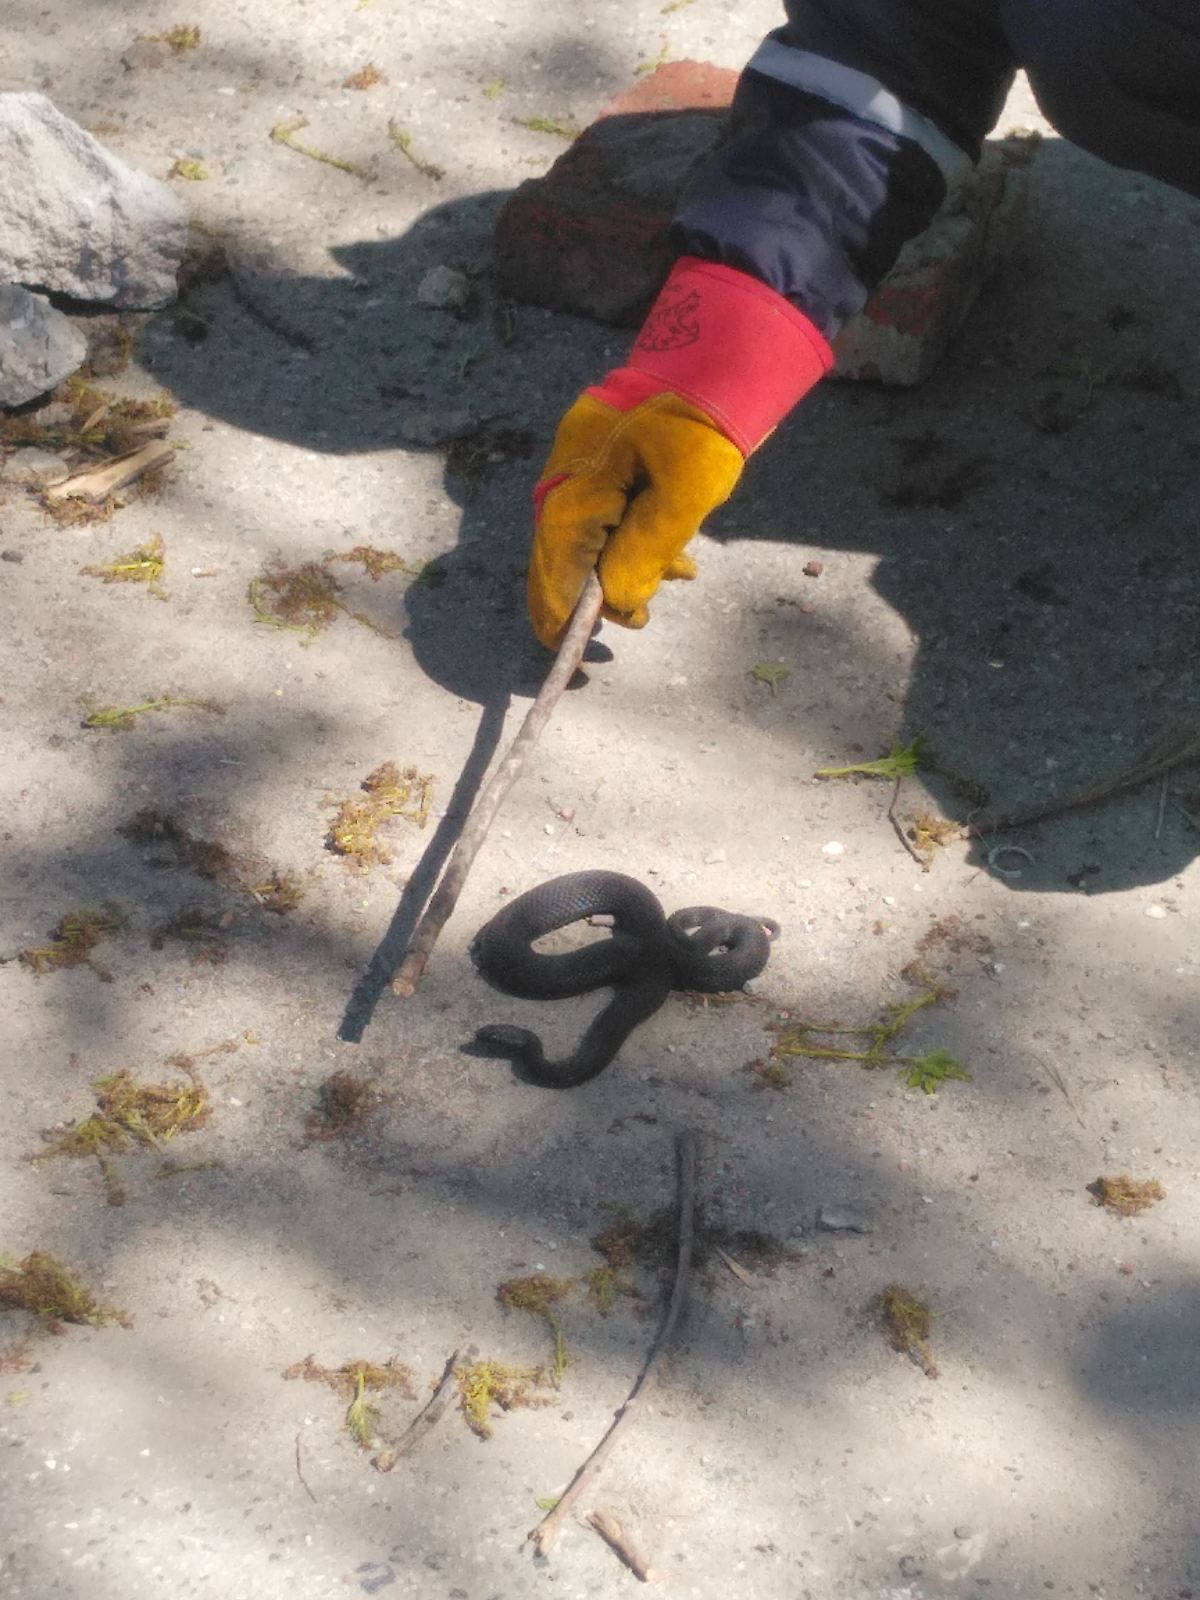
(624, 490)
(639, 461)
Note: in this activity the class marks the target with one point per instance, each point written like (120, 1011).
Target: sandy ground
(789, 1451)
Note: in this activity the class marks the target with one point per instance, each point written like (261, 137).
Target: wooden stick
(544, 1534)
(445, 896)
(619, 1542)
(96, 483)
(898, 828)
(423, 1424)
(1132, 778)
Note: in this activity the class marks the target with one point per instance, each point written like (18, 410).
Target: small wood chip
(97, 483)
(738, 1270)
(618, 1541)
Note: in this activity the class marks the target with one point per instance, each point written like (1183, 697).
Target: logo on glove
(672, 324)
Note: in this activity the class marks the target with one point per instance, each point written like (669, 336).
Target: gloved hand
(641, 459)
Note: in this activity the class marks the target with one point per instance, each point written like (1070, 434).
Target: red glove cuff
(728, 344)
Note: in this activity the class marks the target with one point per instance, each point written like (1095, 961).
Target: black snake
(648, 955)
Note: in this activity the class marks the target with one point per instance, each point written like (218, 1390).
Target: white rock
(714, 857)
(38, 346)
(842, 1219)
(37, 468)
(833, 848)
(444, 289)
(1155, 911)
(75, 218)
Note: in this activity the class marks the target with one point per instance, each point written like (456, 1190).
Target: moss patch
(354, 831)
(49, 1291)
(207, 858)
(73, 940)
(345, 1102)
(353, 1381)
(907, 1322)
(130, 1112)
(143, 565)
(1127, 1196)
(485, 1387)
(541, 1296)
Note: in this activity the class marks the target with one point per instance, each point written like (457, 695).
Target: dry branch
(542, 1537)
(1134, 777)
(445, 896)
(423, 1424)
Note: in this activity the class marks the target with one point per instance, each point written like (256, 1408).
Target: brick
(589, 237)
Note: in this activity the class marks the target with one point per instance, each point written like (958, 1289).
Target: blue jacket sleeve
(850, 121)
(847, 127)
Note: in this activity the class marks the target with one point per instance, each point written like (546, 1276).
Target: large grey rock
(75, 218)
(38, 346)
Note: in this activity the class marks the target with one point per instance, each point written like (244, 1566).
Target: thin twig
(300, 1473)
(445, 896)
(428, 1417)
(618, 1541)
(1133, 778)
(1056, 1078)
(542, 1537)
(898, 826)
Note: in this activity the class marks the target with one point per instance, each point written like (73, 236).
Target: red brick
(677, 86)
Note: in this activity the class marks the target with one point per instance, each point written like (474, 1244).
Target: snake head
(506, 1041)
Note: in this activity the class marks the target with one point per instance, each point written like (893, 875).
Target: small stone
(15, 556)
(35, 468)
(1156, 911)
(567, 813)
(444, 289)
(714, 858)
(833, 848)
(38, 346)
(146, 54)
(962, 1531)
(813, 569)
(910, 1567)
(842, 1219)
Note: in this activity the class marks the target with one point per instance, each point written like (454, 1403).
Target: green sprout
(901, 761)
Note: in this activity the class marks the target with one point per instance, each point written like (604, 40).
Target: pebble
(842, 1219)
(833, 848)
(444, 289)
(1156, 911)
(714, 858)
(962, 1531)
(145, 54)
(15, 556)
(39, 468)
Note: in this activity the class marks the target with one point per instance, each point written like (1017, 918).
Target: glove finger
(648, 544)
(575, 518)
(627, 619)
(682, 567)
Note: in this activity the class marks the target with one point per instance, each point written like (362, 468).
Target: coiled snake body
(649, 954)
